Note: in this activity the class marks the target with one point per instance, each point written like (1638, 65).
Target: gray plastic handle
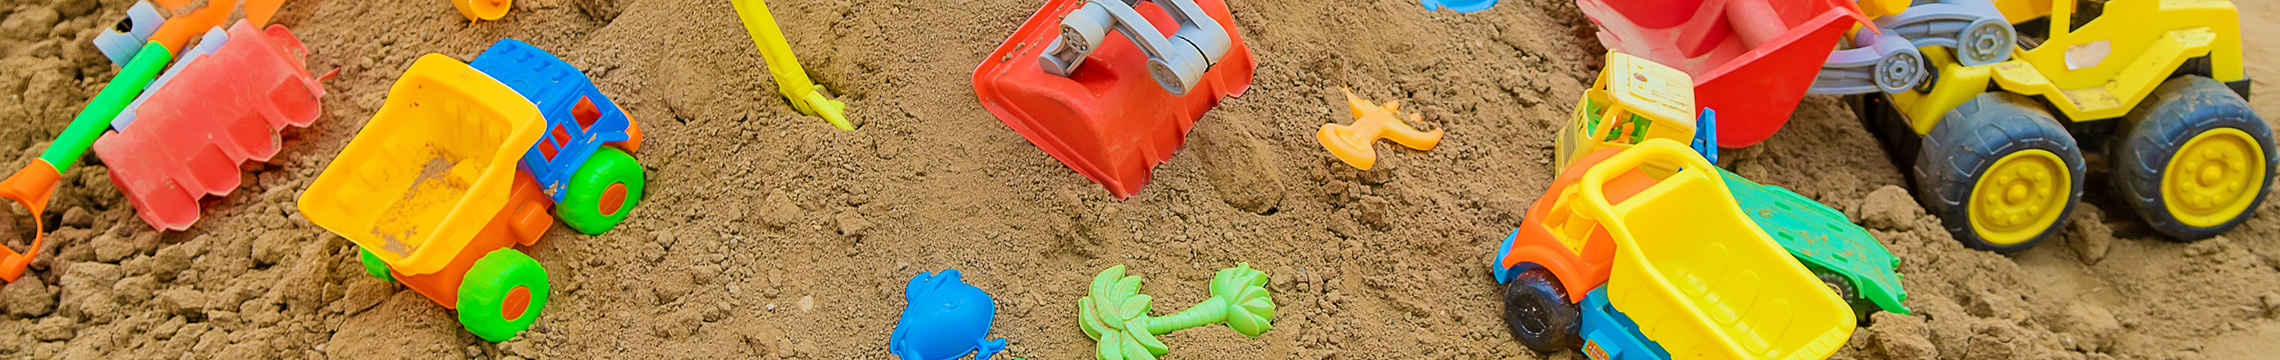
(1884, 62)
(1890, 61)
(1974, 28)
(1176, 63)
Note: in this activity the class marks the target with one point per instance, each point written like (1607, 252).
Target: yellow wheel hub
(2019, 197)
(2213, 178)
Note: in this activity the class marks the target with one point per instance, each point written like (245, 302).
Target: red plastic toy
(1752, 60)
(222, 111)
(1106, 119)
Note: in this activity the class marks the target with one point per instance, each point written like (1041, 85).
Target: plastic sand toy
(122, 39)
(1753, 60)
(1690, 273)
(1844, 256)
(206, 119)
(1112, 110)
(1634, 100)
(2001, 141)
(945, 320)
(33, 185)
(1461, 6)
(1356, 144)
(476, 10)
(791, 81)
(455, 169)
(1115, 315)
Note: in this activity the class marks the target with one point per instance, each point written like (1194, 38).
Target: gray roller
(1176, 63)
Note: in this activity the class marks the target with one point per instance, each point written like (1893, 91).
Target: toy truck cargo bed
(1712, 286)
(431, 169)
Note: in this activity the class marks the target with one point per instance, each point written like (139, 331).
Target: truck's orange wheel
(517, 303)
(613, 199)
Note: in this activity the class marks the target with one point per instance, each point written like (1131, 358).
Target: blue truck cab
(584, 160)
(1609, 335)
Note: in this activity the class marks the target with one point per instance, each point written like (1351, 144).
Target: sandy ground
(771, 235)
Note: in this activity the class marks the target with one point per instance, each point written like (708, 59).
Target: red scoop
(220, 112)
(1752, 60)
(1108, 119)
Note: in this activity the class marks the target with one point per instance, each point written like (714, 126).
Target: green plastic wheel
(502, 295)
(602, 192)
(373, 266)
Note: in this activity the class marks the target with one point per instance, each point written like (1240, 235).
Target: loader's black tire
(1877, 114)
(1540, 313)
(1985, 132)
(2224, 178)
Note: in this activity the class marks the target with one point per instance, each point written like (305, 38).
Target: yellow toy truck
(1644, 253)
(2158, 85)
(463, 162)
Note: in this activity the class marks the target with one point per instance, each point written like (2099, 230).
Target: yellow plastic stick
(791, 81)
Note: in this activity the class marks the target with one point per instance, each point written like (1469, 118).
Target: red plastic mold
(220, 112)
(1752, 60)
(1108, 119)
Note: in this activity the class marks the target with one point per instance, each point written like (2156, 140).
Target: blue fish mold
(944, 320)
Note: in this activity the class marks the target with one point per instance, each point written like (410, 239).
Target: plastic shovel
(36, 183)
(791, 80)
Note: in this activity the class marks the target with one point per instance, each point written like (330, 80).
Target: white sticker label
(2087, 55)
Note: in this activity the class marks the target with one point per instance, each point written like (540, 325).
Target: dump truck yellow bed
(1698, 276)
(431, 168)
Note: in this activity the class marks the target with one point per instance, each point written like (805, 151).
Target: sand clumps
(1967, 303)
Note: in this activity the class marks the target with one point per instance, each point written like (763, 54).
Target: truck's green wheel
(602, 192)
(2196, 161)
(502, 295)
(373, 265)
(2000, 173)
(1540, 313)
(1846, 291)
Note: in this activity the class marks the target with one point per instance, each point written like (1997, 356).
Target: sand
(767, 234)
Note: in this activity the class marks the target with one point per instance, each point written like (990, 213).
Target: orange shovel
(36, 182)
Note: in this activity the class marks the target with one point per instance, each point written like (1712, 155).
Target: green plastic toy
(1848, 259)
(1115, 314)
(36, 182)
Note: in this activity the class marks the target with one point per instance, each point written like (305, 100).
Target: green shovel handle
(96, 117)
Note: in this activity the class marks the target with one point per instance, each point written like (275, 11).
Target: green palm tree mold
(1115, 314)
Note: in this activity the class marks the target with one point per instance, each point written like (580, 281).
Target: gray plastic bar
(1176, 63)
(142, 20)
(1974, 28)
(1885, 62)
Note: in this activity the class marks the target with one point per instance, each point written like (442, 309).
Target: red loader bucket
(1752, 60)
(224, 110)
(1106, 119)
